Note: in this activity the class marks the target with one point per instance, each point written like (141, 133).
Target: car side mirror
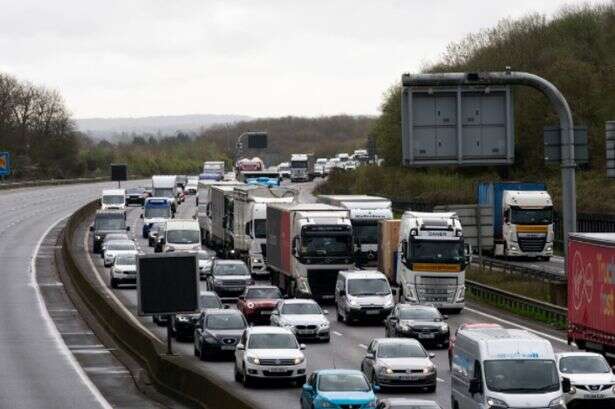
(444, 317)
(302, 347)
(432, 355)
(241, 347)
(325, 312)
(91, 228)
(226, 306)
(141, 215)
(376, 388)
(566, 385)
(475, 386)
(370, 355)
(308, 388)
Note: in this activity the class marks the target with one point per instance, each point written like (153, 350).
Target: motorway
(37, 368)
(347, 347)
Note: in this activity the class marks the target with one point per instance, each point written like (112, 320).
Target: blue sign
(5, 163)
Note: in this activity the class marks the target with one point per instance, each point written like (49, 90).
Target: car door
(308, 397)
(198, 333)
(368, 362)
(240, 354)
(275, 316)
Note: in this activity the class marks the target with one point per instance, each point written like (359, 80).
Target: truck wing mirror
(475, 386)
(141, 215)
(127, 228)
(91, 228)
(566, 385)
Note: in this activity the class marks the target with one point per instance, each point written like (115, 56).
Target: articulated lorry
(365, 212)
(591, 291)
(307, 245)
(213, 170)
(431, 260)
(165, 186)
(204, 206)
(248, 234)
(301, 167)
(522, 218)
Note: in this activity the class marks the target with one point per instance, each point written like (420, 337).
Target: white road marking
(339, 334)
(542, 334)
(363, 346)
(53, 331)
(90, 351)
(110, 370)
(440, 380)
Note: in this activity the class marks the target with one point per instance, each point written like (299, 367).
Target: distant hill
(121, 129)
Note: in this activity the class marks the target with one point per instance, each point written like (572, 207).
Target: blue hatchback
(337, 388)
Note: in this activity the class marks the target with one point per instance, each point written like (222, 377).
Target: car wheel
(203, 355)
(247, 381)
(237, 374)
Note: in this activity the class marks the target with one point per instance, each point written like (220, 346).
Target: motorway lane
(37, 370)
(346, 349)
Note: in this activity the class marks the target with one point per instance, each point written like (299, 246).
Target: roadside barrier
(49, 182)
(174, 375)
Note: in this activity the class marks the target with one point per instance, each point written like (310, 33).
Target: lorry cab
(431, 260)
(113, 199)
(213, 170)
(166, 186)
(181, 235)
(363, 295)
(505, 368)
(299, 168)
(155, 210)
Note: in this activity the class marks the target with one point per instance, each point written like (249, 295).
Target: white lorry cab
(113, 199)
(497, 368)
(431, 260)
(299, 168)
(365, 212)
(319, 167)
(166, 186)
(181, 235)
(155, 210)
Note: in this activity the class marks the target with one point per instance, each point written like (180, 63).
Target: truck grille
(277, 362)
(532, 244)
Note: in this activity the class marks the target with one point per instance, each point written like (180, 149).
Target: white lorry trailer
(248, 234)
(365, 212)
(431, 260)
(165, 186)
(204, 207)
(307, 246)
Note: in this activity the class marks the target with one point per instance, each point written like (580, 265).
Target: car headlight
(182, 318)
(385, 370)
(557, 403)
(168, 249)
(324, 325)
(573, 390)
(254, 360)
(444, 328)
(97, 237)
(218, 282)
(255, 260)
(429, 369)
(211, 340)
(299, 360)
(250, 305)
(353, 303)
(494, 403)
(403, 327)
(325, 404)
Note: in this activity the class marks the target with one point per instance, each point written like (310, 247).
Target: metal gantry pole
(568, 166)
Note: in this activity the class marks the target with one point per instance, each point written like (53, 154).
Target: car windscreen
(368, 286)
(522, 376)
(110, 223)
(183, 236)
(113, 199)
(263, 293)
(154, 212)
(110, 237)
(126, 260)
(121, 247)
(225, 321)
(400, 350)
(272, 341)
(238, 269)
(301, 309)
(343, 383)
(583, 364)
(135, 191)
(210, 301)
(260, 228)
(424, 314)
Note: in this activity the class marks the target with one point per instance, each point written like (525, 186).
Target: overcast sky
(258, 58)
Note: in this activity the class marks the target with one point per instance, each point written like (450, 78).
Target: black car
(183, 324)
(155, 231)
(136, 195)
(422, 322)
(105, 222)
(218, 331)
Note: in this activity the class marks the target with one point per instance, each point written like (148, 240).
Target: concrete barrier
(174, 375)
(50, 182)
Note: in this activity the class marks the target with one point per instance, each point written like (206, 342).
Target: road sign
(610, 149)
(257, 140)
(5, 163)
(119, 172)
(553, 144)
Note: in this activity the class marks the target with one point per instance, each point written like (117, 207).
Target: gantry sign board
(257, 140)
(167, 283)
(119, 172)
(462, 125)
(477, 222)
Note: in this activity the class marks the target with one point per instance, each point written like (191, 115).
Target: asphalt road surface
(346, 350)
(37, 370)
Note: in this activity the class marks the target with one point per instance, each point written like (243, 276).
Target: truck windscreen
(365, 233)
(326, 246)
(531, 216)
(436, 251)
(260, 228)
(164, 192)
(299, 164)
(183, 236)
(110, 223)
(521, 376)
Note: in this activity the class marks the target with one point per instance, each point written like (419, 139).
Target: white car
(116, 248)
(112, 237)
(592, 380)
(303, 317)
(192, 187)
(269, 353)
(124, 269)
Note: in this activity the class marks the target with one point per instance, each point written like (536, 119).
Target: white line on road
(363, 346)
(339, 334)
(440, 380)
(53, 330)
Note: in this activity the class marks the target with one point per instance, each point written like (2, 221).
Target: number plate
(408, 377)
(593, 396)
(227, 347)
(278, 369)
(305, 331)
(265, 312)
(427, 336)
(372, 312)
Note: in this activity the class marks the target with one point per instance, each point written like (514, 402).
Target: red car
(477, 325)
(258, 301)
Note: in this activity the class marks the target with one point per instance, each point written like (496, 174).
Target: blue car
(338, 388)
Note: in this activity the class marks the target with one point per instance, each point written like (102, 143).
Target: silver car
(112, 237)
(303, 317)
(115, 248)
(399, 363)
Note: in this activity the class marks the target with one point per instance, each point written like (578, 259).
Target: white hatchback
(592, 380)
(269, 353)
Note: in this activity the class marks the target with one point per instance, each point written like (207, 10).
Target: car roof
(417, 307)
(479, 325)
(221, 311)
(398, 341)
(226, 261)
(339, 372)
(362, 274)
(269, 330)
(261, 286)
(207, 293)
(580, 354)
(300, 301)
(110, 236)
(121, 242)
(408, 401)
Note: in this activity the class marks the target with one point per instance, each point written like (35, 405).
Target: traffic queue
(263, 327)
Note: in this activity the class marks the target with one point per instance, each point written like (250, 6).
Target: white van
(504, 368)
(113, 199)
(182, 235)
(362, 295)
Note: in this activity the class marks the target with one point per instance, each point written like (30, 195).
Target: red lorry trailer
(591, 291)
